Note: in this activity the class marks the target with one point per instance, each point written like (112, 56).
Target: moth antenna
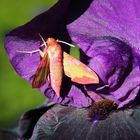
(44, 42)
(60, 41)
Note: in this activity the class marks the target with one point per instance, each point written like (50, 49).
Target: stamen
(71, 45)
(100, 88)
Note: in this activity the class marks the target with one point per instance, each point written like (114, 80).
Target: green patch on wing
(42, 72)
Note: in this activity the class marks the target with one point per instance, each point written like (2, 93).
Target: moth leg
(28, 52)
(41, 53)
(32, 52)
(49, 78)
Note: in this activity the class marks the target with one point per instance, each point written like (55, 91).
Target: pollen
(101, 109)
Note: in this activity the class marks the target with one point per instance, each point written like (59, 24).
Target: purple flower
(107, 33)
(68, 123)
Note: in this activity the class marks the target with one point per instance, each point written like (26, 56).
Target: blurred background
(16, 95)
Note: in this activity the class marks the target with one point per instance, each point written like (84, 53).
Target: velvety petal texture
(68, 123)
(29, 119)
(8, 135)
(107, 33)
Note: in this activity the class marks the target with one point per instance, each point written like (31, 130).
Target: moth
(54, 62)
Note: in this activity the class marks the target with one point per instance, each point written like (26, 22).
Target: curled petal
(108, 33)
(108, 36)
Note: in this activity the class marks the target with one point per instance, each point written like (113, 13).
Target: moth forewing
(42, 72)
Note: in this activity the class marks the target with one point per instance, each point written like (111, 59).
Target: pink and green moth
(55, 62)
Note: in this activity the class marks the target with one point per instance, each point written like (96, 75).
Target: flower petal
(108, 18)
(108, 33)
(29, 119)
(109, 45)
(69, 123)
(51, 23)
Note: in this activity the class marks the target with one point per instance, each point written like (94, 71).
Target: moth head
(51, 42)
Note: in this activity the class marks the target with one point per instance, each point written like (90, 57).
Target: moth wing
(78, 71)
(42, 72)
